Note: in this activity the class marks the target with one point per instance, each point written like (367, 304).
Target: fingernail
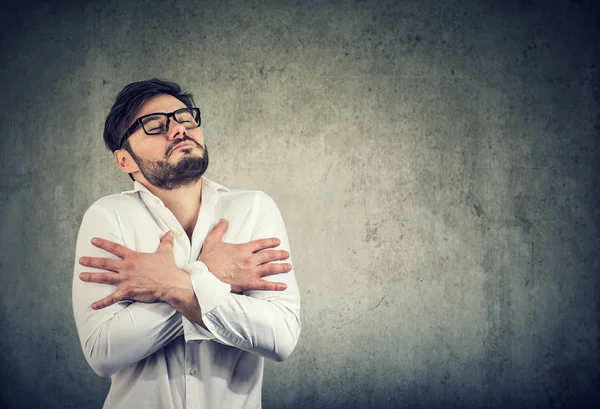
(82, 260)
(95, 240)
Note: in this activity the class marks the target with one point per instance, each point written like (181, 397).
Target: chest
(143, 230)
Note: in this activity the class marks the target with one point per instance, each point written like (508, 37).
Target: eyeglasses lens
(157, 124)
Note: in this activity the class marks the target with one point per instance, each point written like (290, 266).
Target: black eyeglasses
(158, 122)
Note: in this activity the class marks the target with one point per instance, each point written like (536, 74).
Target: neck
(184, 202)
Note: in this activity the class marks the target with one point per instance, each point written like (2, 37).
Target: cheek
(151, 147)
(197, 135)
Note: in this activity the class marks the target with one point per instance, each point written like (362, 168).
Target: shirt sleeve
(210, 292)
(124, 333)
(266, 323)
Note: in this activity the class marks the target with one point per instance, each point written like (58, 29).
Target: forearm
(128, 336)
(115, 337)
(262, 322)
(183, 299)
(127, 332)
(268, 328)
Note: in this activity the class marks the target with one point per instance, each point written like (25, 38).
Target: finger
(261, 244)
(166, 243)
(216, 234)
(101, 262)
(112, 247)
(271, 255)
(264, 285)
(270, 269)
(103, 278)
(110, 300)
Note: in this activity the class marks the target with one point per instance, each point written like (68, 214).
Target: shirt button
(192, 372)
(177, 233)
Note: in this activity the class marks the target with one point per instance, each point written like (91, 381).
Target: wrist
(181, 296)
(179, 289)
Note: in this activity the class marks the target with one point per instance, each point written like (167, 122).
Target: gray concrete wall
(436, 163)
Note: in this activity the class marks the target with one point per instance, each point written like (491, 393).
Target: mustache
(181, 140)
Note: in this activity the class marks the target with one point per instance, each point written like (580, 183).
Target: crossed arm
(154, 277)
(149, 301)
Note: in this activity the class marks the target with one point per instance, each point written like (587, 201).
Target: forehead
(160, 103)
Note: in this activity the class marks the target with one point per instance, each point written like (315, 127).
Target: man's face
(173, 159)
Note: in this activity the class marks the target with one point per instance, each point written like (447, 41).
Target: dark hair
(130, 100)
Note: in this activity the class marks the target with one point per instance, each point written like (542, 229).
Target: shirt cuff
(210, 292)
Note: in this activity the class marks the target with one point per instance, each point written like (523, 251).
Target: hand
(145, 277)
(243, 265)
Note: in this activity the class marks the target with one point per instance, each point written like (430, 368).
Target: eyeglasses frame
(138, 123)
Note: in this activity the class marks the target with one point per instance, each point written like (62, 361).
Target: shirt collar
(208, 189)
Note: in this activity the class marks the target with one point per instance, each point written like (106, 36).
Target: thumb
(216, 234)
(166, 243)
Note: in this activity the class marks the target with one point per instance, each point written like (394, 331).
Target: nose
(176, 130)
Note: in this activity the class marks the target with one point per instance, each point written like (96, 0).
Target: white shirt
(156, 357)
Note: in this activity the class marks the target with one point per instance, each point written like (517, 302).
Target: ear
(125, 162)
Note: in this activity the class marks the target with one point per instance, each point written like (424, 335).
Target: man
(181, 287)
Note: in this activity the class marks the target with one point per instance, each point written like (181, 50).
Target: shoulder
(255, 204)
(257, 198)
(119, 203)
(238, 195)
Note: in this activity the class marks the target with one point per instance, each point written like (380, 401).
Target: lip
(182, 145)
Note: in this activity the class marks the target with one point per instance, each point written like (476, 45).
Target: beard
(169, 176)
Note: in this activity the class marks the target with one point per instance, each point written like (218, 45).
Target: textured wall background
(436, 163)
